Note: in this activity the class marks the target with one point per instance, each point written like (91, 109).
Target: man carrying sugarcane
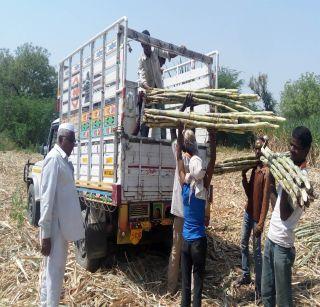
(258, 194)
(279, 251)
(176, 203)
(195, 185)
(150, 76)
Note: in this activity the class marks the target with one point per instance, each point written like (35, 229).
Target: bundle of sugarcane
(225, 99)
(235, 165)
(289, 176)
(308, 234)
(228, 122)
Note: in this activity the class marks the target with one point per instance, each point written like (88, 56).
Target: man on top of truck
(150, 76)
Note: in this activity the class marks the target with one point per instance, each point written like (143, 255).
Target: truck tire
(33, 207)
(90, 265)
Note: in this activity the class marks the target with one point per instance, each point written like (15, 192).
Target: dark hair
(146, 32)
(303, 134)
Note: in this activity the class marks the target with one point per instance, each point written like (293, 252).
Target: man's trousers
(53, 268)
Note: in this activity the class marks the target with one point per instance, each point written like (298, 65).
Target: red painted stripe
(150, 167)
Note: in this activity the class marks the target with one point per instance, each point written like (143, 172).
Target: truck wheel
(90, 265)
(33, 207)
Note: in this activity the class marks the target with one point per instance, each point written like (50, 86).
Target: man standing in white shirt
(60, 221)
(279, 251)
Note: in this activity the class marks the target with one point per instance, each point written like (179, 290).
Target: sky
(277, 37)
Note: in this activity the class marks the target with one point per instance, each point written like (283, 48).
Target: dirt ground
(138, 277)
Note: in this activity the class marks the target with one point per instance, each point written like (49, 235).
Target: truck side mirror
(44, 149)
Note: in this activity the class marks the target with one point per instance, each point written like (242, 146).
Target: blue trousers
(277, 275)
(247, 227)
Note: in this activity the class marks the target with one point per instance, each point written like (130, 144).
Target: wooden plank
(140, 37)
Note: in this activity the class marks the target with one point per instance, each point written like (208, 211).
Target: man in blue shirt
(195, 187)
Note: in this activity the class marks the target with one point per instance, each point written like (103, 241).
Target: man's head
(258, 145)
(146, 48)
(190, 142)
(66, 138)
(300, 144)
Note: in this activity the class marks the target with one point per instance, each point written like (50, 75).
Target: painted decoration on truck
(86, 87)
(85, 126)
(75, 92)
(109, 119)
(96, 124)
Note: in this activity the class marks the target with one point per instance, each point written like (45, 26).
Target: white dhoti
(53, 269)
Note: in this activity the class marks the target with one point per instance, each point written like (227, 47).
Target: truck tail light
(123, 218)
(116, 194)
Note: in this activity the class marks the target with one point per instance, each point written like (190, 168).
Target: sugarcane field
(159, 153)
(138, 278)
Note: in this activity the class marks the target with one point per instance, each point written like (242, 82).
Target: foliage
(26, 120)
(229, 78)
(27, 90)
(259, 86)
(301, 99)
(27, 72)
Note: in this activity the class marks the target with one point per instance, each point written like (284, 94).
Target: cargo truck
(124, 182)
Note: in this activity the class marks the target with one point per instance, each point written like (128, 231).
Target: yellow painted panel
(108, 173)
(108, 160)
(84, 160)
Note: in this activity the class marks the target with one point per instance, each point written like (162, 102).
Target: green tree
(259, 86)
(26, 120)
(229, 78)
(6, 77)
(27, 72)
(27, 89)
(301, 99)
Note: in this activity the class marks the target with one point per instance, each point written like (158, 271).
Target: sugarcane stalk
(233, 94)
(237, 163)
(191, 116)
(231, 169)
(287, 167)
(299, 173)
(218, 126)
(250, 158)
(281, 179)
(248, 116)
(180, 97)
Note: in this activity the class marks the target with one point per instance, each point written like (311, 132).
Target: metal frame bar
(124, 18)
(143, 38)
(102, 105)
(60, 87)
(69, 86)
(210, 54)
(90, 111)
(80, 114)
(116, 137)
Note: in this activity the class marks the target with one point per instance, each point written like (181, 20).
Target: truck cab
(124, 181)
